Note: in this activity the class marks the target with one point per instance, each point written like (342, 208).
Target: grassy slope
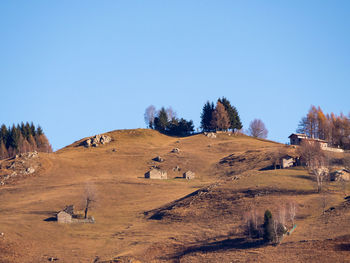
(123, 195)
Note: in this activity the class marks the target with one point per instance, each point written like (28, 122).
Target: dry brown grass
(202, 227)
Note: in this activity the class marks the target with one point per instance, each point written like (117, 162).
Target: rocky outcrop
(211, 135)
(21, 165)
(96, 141)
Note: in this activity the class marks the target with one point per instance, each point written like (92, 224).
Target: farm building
(297, 138)
(64, 217)
(189, 175)
(156, 174)
(287, 161)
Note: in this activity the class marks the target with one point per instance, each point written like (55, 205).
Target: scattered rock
(29, 155)
(176, 168)
(29, 170)
(175, 150)
(210, 134)
(189, 175)
(51, 259)
(159, 159)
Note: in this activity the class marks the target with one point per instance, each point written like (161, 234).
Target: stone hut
(64, 217)
(189, 175)
(287, 161)
(156, 174)
(340, 175)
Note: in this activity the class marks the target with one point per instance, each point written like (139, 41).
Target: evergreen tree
(206, 116)
(32, 129)
(39, 131)
(161, 121)
(4, 134)
(13, 139)
(3, 150)
(268, 227)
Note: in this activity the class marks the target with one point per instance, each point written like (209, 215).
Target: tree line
(335, 129)
(22, 138)
(165, 121)
(220, 117)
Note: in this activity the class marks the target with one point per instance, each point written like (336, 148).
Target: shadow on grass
(226, 244)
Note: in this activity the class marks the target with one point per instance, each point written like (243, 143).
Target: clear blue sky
(79, 68)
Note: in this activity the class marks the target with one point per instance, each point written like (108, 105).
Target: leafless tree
(89, 198)
(282, 215)
(277, 155)
(252, 223)
(257, 129)
(150, 114)
(275, 230)
(170, 113)
(315, 159)
(292, 211)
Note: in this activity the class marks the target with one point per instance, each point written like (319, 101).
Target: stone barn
(64, 217)
(156, 174)
(189, 175)
(287, 161)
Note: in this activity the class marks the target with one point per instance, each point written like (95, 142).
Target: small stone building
(156, 174)
(287, 161)
(189, 175)
(64, 217)
(340, 175)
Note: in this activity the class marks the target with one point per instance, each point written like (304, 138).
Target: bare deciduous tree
(257, 129)
(315, 159)
(89, 199)
(150, 114)
(277, 155)
(170, 113)
(292, 211)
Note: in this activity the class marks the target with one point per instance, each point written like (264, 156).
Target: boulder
(158, 159)
(175, 150)
(176, 168)
(210, 135)
(29, 170)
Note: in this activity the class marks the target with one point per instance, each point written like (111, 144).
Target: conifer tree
(161, 121)
(268, 226)
(206, 116)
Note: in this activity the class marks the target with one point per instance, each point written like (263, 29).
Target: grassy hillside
(170, 220)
